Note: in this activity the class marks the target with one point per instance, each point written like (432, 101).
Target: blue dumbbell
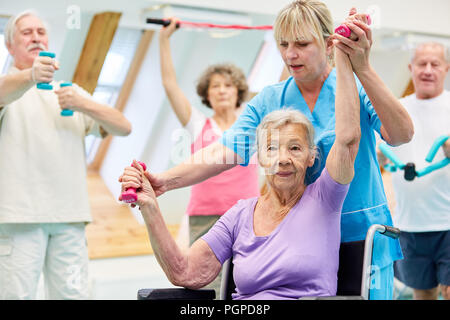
(45, 85)
(66, 112)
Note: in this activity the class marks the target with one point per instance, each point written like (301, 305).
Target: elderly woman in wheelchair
(285, 243)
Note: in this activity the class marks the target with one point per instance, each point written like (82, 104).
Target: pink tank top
(218, 194)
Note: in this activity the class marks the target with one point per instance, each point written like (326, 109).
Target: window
(5, 58)
(112, 76)
(268, 65)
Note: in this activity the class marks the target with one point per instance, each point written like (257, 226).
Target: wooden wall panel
(409, 89)
(96, 46)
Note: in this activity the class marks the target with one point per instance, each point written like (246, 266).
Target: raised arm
(13, 86)
(341, 159)
(180, 104)
(193, 268)
(396, 124)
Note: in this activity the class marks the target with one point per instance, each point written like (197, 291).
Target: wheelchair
(354, 274)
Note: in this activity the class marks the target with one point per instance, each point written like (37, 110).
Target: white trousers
(59, 250)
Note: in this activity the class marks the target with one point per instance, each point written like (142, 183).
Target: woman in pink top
(222, 88)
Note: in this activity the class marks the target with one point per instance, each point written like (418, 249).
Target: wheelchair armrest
(333, 298)
(176, 294)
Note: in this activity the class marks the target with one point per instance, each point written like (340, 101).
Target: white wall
(153, 120)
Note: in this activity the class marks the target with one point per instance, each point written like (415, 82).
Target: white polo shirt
(424, 204)
(42, 160)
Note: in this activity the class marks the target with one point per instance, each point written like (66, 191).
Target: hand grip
(129, 195)
(345, 31)
(66, 112)
(435, 147)
(391, 156)
(163, 22)
(45, 85)
(391, 232)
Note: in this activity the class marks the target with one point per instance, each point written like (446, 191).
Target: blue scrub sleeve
(241, 137)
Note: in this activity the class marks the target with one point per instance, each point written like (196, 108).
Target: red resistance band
(166, 22)
(223, 26)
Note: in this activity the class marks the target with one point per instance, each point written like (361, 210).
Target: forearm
(347, 107)
(13, 86)
(341, 159)
(204, 164)
(168, 75)
(172, 260)
(180, 104)
(107, 117)
(393, 116)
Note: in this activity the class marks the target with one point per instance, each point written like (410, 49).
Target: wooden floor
(114, 231)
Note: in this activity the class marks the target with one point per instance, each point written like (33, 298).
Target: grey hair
(431, 44)
(279, 118)
(10, 28)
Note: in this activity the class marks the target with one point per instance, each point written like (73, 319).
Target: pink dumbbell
(345, 31)
(129, 195)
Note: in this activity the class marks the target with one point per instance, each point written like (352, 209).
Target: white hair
(10, 29)
(279, 118)
(431, 44)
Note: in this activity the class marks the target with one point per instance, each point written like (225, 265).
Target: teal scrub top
(366, 202)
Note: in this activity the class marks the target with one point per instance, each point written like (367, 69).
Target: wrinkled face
(286, 156)
(29, 39)
(222, 93)
(428, 71)
(305, 59)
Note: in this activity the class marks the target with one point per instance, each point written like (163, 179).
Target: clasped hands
(358, 50)
(135, 177)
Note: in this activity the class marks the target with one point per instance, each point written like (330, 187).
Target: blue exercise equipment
(410, 168)
(66, 112)
(45, 85)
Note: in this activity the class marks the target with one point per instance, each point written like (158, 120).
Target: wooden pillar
(409, 89)
(96, 46)
(125, 91)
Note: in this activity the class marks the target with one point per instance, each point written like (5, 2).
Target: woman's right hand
(166, 32)
(134, 177)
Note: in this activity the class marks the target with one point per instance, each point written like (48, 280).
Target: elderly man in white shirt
(423, 205)
(44, 203)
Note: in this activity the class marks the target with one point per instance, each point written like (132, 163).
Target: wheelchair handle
(391, 232)
(368, 246)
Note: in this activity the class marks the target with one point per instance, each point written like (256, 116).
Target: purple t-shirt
(299, 258)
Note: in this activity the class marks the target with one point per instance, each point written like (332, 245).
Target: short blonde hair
(304, 20)
(236, 75)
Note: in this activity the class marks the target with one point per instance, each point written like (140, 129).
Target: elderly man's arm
(341, 159)
(110, 119)
(13, 86)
